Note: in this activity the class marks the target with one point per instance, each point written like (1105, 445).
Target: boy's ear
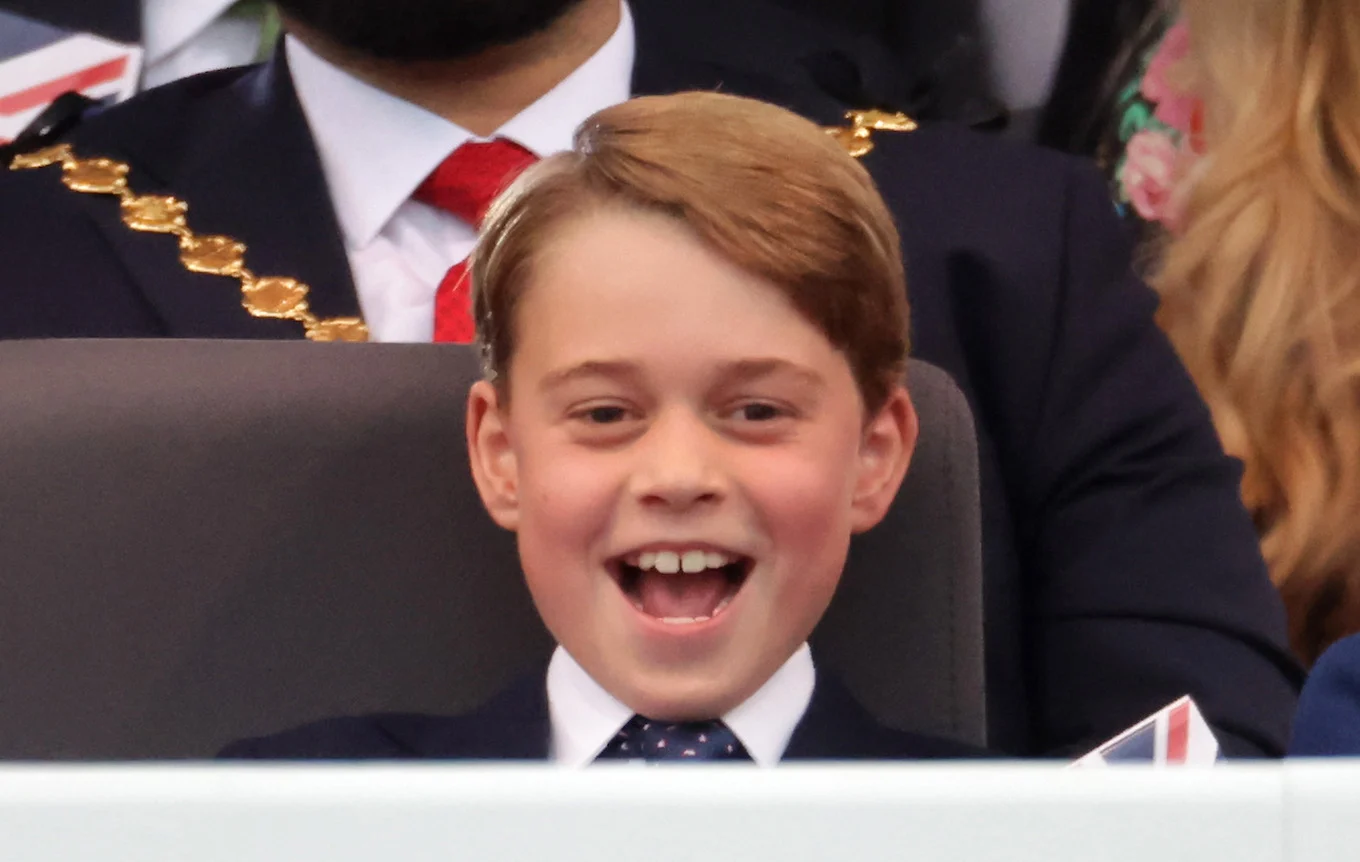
(884, 455)
(494, 467)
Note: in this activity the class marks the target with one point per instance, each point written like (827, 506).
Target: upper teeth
(690, 562)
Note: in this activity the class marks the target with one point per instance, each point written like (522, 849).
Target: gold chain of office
(282, 297)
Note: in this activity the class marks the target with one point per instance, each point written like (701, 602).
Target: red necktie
(464, 185)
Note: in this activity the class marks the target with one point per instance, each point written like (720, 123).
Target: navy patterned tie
(657, 741)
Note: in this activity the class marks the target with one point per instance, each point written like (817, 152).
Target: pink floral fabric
(1149, 174)
(1158, 134)
(1173, 107)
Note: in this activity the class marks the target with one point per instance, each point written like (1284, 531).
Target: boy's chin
(680, 696)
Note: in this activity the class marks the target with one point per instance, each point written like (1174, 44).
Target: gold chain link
(275, 297)
(857, 138)
(280, 297)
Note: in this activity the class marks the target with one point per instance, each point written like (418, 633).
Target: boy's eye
(605, 414)
(758, 412)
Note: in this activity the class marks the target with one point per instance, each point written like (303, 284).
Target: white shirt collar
(585, 717)
(167, 25)
(372, 167)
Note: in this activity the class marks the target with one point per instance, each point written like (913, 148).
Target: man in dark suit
(1328, 723)
(1122, 571)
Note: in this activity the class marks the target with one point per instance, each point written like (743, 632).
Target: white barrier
(1300, 812)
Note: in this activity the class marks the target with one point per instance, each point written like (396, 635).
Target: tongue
(681, 596)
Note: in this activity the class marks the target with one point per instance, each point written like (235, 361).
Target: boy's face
(684, 458)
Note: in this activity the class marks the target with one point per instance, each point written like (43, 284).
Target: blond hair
(1261, 289)
(766, 189)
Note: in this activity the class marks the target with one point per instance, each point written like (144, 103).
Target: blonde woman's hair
(1261, 289)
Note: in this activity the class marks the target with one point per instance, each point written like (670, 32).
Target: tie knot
(468, 180)
(644, 739)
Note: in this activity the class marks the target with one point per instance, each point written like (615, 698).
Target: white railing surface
(1300, 812)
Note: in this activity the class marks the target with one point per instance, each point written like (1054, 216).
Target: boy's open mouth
(681, 586)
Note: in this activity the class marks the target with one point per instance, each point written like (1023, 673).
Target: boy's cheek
(563, 485)
(803, 500)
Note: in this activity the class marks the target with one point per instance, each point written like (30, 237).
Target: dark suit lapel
(835, 727)
(263, 174)
(242, 156)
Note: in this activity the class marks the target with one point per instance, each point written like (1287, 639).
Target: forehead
(620, 283)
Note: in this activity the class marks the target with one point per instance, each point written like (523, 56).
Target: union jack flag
(1177, 735)
(39, 62)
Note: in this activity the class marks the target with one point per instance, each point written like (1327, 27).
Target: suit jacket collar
(836, 727)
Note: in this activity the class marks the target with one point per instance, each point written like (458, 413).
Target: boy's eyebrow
(615, 369)
(751, 369)
(736, 370)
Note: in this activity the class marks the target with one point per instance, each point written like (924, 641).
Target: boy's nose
(678, 466)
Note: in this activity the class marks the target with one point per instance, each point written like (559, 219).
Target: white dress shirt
(585, 717)
(185, 37)
(376, 149)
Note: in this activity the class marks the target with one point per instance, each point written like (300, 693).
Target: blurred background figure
(180, 37)
(1260, 278)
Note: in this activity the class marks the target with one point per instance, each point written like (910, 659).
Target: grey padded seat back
(204, 540)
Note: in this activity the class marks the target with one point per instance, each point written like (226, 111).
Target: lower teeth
(684, 621)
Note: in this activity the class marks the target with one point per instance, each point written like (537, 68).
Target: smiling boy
(695, 331)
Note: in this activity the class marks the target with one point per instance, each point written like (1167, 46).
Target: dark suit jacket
(1328, 723)
(1121, 568)
(515, 726)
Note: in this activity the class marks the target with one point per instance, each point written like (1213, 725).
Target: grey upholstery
(205, 540)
